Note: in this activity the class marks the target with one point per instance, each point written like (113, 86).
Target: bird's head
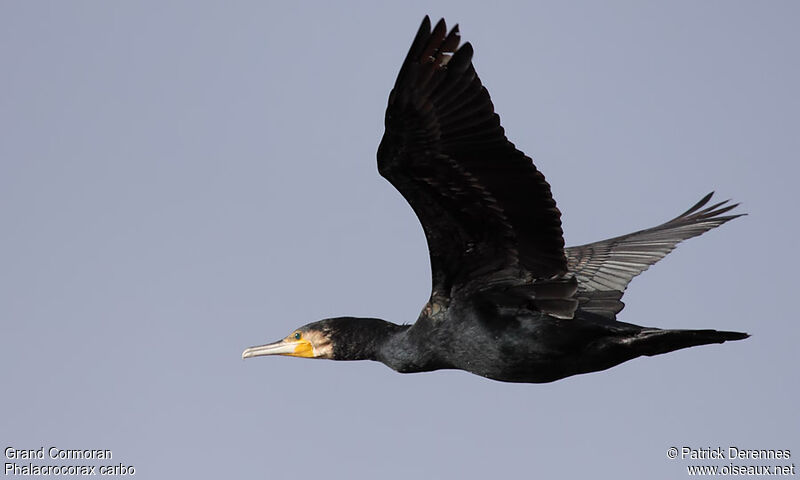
(309, 341)
(343, 338)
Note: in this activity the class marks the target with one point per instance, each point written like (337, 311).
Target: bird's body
(508, 301)
(513, 346)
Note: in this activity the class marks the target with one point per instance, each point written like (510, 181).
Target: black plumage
(508, 301)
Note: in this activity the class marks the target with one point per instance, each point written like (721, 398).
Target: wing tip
(699, 211)
(436, 39)
(426, 24)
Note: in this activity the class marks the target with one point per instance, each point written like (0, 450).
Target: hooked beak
(293, 348)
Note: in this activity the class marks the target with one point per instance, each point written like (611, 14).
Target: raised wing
(605, 268)
(486, 210)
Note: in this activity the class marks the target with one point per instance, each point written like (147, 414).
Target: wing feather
(604, 269)
(487, 212)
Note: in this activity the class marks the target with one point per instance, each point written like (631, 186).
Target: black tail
(653, 341)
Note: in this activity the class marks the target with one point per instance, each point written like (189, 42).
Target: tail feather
(653, 341)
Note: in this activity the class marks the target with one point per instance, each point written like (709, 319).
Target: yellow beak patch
(302, 348)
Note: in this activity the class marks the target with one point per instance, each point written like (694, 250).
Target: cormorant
(508, 302)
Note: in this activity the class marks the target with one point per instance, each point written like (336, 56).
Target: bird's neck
(362, 338)
(409, 350)
(400, 347)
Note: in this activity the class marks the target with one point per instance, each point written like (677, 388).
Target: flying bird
(509, 302)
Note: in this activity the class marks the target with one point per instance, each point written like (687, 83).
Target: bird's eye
(297, 336)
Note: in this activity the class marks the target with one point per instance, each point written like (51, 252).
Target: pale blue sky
(180, 180)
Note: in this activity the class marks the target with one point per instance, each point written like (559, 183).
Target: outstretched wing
(605, 268)
(485, 208)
